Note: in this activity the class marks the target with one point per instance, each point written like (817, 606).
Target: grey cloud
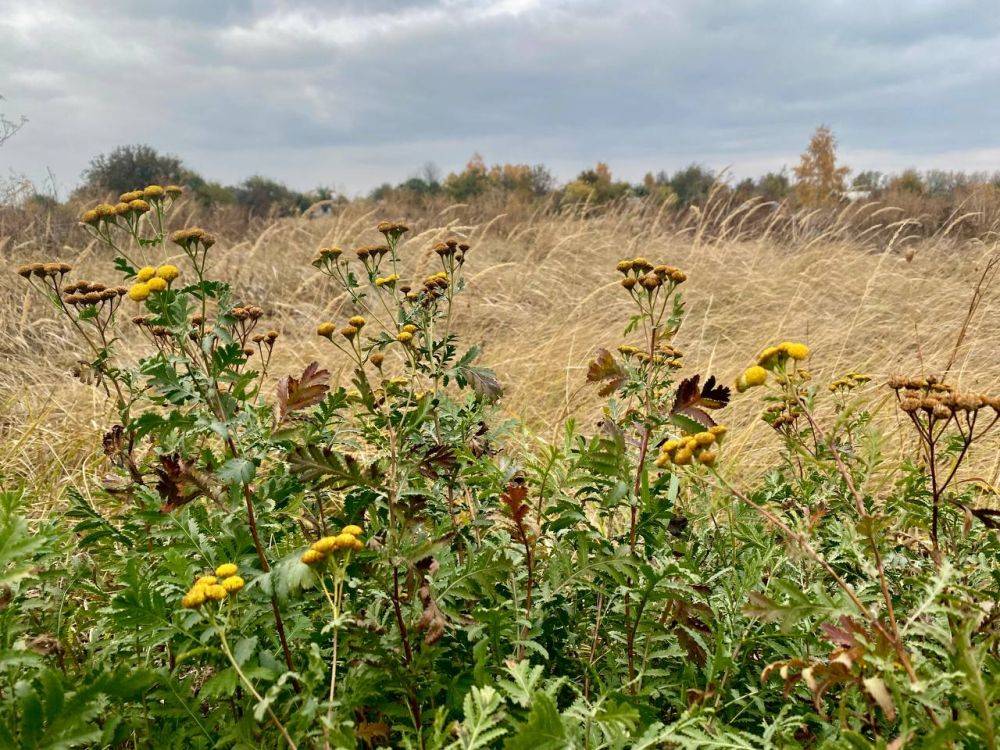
(357, 92)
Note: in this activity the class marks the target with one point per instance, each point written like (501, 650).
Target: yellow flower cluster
(406, 333)
(152, 280)
(389, 281)
(849, 382)
(751, 378)
(214, 588)
(130, 204)
(698, 447)
(436, 282)
(773, 357)
(346, 541)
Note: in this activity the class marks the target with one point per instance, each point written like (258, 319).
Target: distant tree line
(126, 167)
(819, 179)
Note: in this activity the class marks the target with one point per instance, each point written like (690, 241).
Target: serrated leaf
(543, 730)
(244, 649)
(324, 467)
(237, 471)
(295, 394)
(605, 370)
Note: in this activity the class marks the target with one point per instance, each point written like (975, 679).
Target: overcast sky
(350, 94)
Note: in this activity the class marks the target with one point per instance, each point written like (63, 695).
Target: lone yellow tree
(818, 178)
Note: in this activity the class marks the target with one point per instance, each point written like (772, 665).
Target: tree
(819, 180)
(691, 184)
(909, 181)
(773, 186)
(595, 185)
(262, 195)
(870, 180)
(135, 166)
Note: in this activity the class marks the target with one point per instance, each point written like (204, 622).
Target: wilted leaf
(437, 459)
(177, 482)
(605, 370)
(432, 620)
(299, 393)
(689, 397)
(513, 498)
(483, 381)
(372, 732)
(876, 689)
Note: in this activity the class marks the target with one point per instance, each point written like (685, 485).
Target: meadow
(541, 300)
(550, 542)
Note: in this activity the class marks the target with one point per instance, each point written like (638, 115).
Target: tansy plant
(406, 569)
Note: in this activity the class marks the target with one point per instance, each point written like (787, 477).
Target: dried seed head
(377, 359)
(174, 191)
(629, 282)
(325, 329)
(392, 229)
(651, 281)
(641, 264)
(153, 192)
(186, 237)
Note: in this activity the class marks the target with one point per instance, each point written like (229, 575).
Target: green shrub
(392, 564)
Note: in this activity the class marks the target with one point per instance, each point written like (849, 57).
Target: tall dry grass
(544, 295)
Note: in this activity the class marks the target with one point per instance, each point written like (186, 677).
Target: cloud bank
(351, 94)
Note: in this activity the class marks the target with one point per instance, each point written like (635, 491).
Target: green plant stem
(221, 630)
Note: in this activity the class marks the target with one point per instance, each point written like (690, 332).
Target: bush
(262, 196)
(392, 564)
(127, 166)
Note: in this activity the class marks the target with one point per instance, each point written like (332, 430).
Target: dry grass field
(543, 296)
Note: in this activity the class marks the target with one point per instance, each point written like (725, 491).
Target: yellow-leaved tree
(819, 180)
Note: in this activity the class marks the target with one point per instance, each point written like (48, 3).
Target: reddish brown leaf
(432, 620)
(302, 392)
(712, 396)
(372, 732)
(176, 482)
(605, 370)
(513, 497)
